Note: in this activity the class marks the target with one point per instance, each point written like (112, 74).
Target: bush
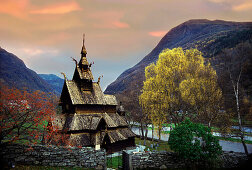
(194, 141)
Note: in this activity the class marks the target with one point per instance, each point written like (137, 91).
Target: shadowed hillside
(14, 73)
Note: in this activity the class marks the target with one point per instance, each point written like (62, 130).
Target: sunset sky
(119, 33)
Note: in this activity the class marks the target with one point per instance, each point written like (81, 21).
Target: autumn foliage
(180, 85)
(24, 116)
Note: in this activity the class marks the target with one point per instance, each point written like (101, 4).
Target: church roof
(78, 122)
(82, 122)
(114, 120)
(95, 96)
(85, 74)
(87, 139)
(83, 139)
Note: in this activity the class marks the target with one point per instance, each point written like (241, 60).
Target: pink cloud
(120, 24)
(108, 19)
(158, 33)
(60, 8)
(243, 7)
(14, 8)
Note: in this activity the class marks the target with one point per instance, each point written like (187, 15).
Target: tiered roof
(85, 128)
(96, 96)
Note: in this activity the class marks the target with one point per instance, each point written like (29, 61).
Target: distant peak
(204, 21)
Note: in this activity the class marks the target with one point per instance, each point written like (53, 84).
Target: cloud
(158, 33)
(120, 24)
(60, 8)
(108, 19)
(243, 6)
(14, 8)
(238, 6)
(217, 1)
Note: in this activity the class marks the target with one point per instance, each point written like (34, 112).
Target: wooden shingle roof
(95, 96)
(85, 74)
(81, 122)
(115, 135)
(114, 120)
(78, 122)
(83, 139)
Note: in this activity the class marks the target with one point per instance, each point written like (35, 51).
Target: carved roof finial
(76, 63)
(64, 76)
(99, 79)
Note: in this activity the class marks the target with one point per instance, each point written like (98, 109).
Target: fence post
(127, 161)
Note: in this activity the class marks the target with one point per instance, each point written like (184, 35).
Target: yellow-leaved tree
(180, 85)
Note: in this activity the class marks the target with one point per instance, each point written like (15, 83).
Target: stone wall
(156, 160)
(165, 160)
(54, 156)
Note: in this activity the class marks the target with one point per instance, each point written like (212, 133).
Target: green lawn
(233, 140)
(163, 146)
(114, 162)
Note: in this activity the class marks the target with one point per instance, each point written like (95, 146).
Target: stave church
(89, 116)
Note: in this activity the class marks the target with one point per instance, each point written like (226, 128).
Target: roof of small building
(95, 96)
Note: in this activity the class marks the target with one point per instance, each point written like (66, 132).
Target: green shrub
(194, 141)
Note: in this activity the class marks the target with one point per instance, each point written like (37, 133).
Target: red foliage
(24, 116)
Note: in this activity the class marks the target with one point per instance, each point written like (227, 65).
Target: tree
(180, 85)
(201, 91)
(130, 100)
(24, 116)
(194, 141)
(236, 61)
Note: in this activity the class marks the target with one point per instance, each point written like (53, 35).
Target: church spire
(83, 61)
(83, 50)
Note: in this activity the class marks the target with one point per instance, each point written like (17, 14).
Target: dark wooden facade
(89, 116)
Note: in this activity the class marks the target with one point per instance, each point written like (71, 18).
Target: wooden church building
(88, 115)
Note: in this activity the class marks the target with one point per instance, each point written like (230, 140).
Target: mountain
(210, 37)
(13, 72)
(55, 82)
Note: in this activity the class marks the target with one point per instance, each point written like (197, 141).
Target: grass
(24, 133)
(114, 162)
(244, 122)
(163, 146)
(233, 140)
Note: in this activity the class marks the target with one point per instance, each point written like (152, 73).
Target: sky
(45, 34)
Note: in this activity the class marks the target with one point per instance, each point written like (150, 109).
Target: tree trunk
(209, 124)
(159, 133)
(142, 130)
(236, 92)
(152, 132)
(146, 133)
(240, 126)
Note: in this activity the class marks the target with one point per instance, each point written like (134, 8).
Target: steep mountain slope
(55, 82)
(210, 37)
(13, 72)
